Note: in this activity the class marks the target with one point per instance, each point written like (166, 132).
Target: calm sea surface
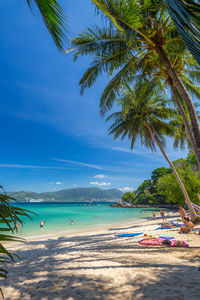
(85, 216)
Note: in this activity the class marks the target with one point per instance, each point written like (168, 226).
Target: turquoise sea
(57, 217)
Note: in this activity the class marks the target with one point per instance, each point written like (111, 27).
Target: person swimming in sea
(72, 222)
(42, 224)
(17, 226)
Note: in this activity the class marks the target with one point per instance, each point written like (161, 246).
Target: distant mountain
(71, 195)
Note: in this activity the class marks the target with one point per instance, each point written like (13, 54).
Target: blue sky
(51, 137)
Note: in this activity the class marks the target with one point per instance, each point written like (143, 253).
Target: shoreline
(73, 229)
(100, 265)
(100, 228)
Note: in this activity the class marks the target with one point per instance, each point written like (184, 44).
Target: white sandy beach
(99, 265)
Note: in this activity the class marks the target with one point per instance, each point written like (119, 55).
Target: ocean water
(86, 216)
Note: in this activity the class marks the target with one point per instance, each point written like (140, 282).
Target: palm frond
(186, 16)
(98, 41)
(191, 87)
(140, 106)
(123, 14)
(54, 19)
(9, 216)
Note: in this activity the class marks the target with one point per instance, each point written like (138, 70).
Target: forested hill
(76, 194)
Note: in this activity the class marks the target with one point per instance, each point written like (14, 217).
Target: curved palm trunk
(193, 214)
(185, 120)
(184, 94)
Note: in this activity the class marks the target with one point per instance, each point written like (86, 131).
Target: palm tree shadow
(49, 272)
(170, 283)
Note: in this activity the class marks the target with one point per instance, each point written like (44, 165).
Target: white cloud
(101, 176)
(16, 166)
(127, 189)
(121, 149)
(58, 182)
(100, 183)
(78, 163)
(138, 152)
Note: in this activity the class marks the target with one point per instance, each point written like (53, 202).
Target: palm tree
(186, 16)
(54, 18)
(181, 138)
(145, 41)
(145, 115)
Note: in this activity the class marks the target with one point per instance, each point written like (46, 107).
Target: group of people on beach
(186, 228)
(188, 225)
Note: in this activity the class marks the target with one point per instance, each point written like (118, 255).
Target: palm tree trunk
(185, 120)
(193, 214)
(184, 94)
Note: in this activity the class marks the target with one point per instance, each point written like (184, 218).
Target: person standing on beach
(182, 213)
(17, 226)
(162, 214)
(41, 224)
(154, 215)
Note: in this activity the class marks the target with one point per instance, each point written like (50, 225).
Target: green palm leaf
(54, 19)
(9, 216)
(186, 16)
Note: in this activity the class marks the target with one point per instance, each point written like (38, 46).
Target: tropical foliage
(162, 187)
(186, 16)
(140, 40)
(146, 115)
(9, 216)
(54, 19)
(129, 197)
(168, 187)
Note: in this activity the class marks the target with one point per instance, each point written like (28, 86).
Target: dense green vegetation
(163, 187)
(77, 194)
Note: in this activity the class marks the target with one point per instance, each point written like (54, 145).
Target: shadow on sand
(49, 272)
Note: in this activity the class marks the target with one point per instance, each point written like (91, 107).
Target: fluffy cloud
(126, 189)
(100, 183)
(101, 176)
(58, 182)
